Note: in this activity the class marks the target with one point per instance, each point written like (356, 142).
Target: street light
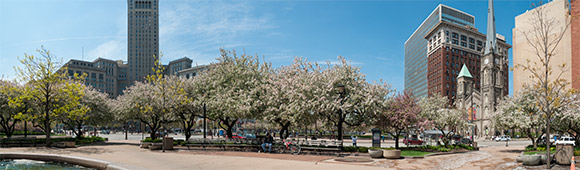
(341, 90)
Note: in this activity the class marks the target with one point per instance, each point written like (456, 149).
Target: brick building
(449, 47)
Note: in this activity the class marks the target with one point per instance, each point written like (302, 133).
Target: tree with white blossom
(149, 102)
(354, 106)
(290, 98)
(233, 88)
(94, 109)
(435, 109)
(520, 112)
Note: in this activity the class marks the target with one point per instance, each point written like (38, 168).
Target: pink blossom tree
(399, 114)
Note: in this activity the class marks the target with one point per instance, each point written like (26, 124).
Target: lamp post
(342, 93)
(204, 125)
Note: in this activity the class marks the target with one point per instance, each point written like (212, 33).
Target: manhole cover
(353, 159)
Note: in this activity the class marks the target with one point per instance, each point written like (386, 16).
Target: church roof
(464, 72)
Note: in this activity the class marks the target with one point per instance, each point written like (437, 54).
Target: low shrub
(151, 140)
(577, 153)
(363, 149)
(442, 149)
(349, 149)
(89, 140)
(178, 142)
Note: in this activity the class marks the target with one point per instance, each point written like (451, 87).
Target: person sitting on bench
(268, 142)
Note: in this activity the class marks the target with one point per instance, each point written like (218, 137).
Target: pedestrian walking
(354, 138)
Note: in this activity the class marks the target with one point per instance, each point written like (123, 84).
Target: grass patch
(414, 153)
(540, 152)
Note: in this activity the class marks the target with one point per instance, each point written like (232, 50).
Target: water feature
(18, 164)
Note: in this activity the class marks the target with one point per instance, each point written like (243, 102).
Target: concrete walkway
(132, 157)
(129, 155)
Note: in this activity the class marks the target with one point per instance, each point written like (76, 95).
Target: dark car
(412, 142)
(464, 141)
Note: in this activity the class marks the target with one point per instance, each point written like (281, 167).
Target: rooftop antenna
(83, 54)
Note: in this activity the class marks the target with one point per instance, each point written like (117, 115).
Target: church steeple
(490, 42)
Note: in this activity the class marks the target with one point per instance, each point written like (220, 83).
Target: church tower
(492, 73)
(464, 88)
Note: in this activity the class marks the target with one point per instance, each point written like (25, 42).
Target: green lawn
(414, 153)
(534, 152)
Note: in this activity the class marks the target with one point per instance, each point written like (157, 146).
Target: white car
(503, 138)
(566, 141)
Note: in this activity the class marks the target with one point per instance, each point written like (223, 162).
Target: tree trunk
(80, 132)
(548, 140)
(284, 130)
(47, 129)
(229, 127)
(396, 141)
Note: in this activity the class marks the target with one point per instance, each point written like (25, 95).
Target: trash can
(168, 143)
(564, 153)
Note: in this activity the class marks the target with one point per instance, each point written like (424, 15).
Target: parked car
(236, 136)
(566, 141)
(250, 136)
(464, 141)
(412, 142)
(503, 138)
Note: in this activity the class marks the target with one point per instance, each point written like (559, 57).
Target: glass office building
(416, 47)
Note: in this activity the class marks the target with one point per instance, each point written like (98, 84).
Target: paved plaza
(126, 153)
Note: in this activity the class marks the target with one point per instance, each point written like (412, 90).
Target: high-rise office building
(112, 77)
(143, 38)
(416, 47)
(567, 52)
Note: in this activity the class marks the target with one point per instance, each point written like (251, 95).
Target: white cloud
(199, 29)
(113, 49)
(336, 62)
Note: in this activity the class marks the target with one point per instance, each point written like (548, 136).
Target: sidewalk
(132, 157)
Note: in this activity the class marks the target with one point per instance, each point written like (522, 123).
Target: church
(482, 102)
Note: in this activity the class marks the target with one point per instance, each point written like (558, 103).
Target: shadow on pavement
(512, 151)
(81, 150)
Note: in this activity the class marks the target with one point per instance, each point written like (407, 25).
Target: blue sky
(370, 34)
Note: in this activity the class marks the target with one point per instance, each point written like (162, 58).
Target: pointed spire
(464, 72)
(490, 42)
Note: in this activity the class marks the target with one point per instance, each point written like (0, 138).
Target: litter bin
(564, 153)
(168, 143)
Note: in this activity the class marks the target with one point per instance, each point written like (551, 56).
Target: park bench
(18, 142)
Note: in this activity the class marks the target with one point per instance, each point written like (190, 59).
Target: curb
(86, 162)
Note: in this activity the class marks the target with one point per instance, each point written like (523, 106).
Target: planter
(66, 144)
(155, 146)
(392, 154)
(519, 158)
(145, 144)
(531, 160)
(543, 159)
(376, 153)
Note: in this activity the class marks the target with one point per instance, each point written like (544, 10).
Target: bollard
(572, 164)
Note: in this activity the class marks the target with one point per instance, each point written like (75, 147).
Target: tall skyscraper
(567, 52)
(143, 38)
(416, 46)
